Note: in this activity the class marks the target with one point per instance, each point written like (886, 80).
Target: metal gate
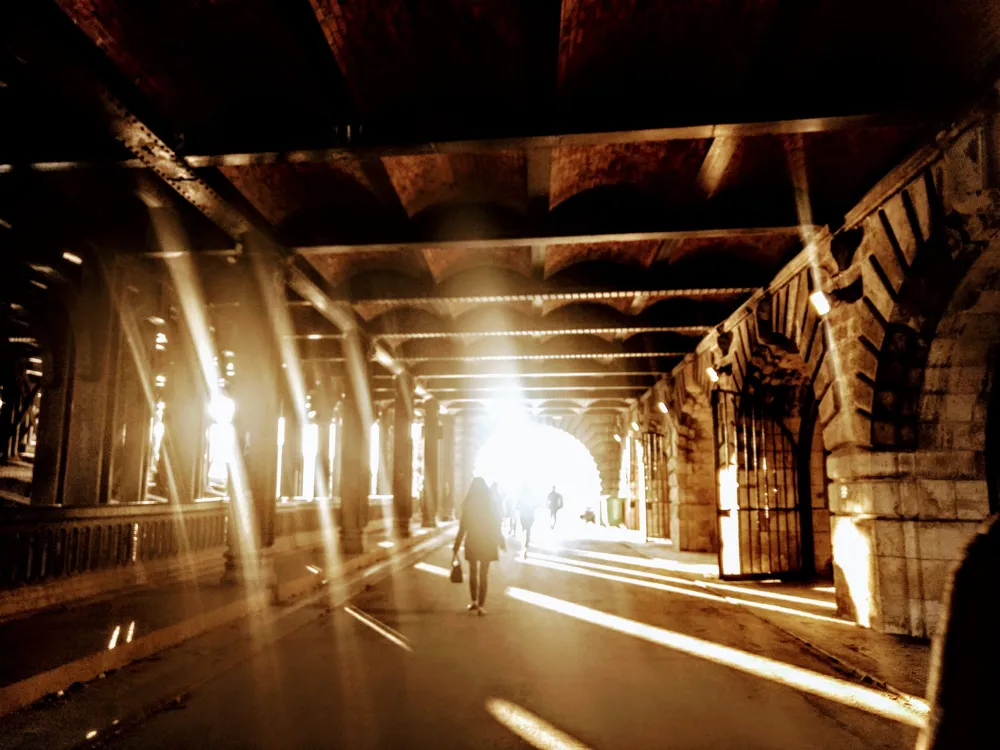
(657, 486)
(760, 519)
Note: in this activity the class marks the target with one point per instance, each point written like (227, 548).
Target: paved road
(547, 663)
(338, 682)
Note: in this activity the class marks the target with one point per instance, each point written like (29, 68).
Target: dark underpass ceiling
(570, 192)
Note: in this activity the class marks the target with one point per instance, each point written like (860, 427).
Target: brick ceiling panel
(666, 170)
(280, 191)
(633, 254)
(675, 41)
(459, 309)
(210, 66)
(338, 268)
(444, 263)
(758, 163)
(622, 305)
(842, 166)
(768, 249)
(368, 311)
(416, 54)
(428, 180)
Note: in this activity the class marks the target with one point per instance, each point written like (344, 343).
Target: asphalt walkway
(586, 645)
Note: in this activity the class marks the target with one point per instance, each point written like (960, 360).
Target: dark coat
(480, 525)
(965, 669)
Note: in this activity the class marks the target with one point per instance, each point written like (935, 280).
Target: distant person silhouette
(526, 510)
(555, 503)
(480, 529)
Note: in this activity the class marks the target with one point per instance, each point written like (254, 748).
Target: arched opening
(774, 518)
(527, 460)
(814, 497)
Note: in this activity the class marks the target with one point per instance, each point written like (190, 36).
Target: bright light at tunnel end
(527, 459)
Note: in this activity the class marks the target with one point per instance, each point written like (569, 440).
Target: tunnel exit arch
(528, 459)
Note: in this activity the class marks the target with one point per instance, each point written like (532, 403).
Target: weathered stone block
(941, 350)
(957, 407)
(935, 379)
(888, 538)
(909, 499)
(953, 464)
(885, 498)
(892, 578)
(971, 499)
(934, 576)
(931, 406)
(944, 541)
(901, 227)
(936, 498)
(933, 617)
(967, 380)
(892, 616)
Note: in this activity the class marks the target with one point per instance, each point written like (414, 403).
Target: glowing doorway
(526, 460)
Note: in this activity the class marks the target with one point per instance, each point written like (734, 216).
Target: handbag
(456, 571)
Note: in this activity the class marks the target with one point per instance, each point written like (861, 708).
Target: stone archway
(777, 384)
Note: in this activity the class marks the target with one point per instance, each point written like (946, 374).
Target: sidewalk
(49, 651)
(897, 663)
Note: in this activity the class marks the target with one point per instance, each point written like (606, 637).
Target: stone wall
(901, 370)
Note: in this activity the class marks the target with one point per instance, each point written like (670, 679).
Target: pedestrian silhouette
(480, 530)
(555, 503)
(526, 510)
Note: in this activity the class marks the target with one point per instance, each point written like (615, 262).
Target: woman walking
(480, 529)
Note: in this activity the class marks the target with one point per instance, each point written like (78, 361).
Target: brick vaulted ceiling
(458, 169)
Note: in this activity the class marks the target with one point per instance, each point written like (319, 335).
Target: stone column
(402, 458)
(324, 415)
(431, 501)
(291, 454)
(338, 442)
(386, 431)
(47, 478)
(447, 467)
(91, 406)
(132, 430)
(257, 393)
(355, 474)
(185, 419)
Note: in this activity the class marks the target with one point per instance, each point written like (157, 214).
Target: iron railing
(43, 544)
(40, 544)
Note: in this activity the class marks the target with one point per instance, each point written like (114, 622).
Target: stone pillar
(338, 442)
(47, 478)
(431, 500)
(355, 474)
(184, 419)
(402, 458)
(291, 455)
(91, 406)
(324, 416)
(697, 523)
(446, 464)
(383, 478)
(256, 391)
(132, 431)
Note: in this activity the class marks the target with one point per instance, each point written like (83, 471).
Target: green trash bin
(616, 511)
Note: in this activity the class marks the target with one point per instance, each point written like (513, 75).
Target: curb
(846, 666)
(348, 580)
